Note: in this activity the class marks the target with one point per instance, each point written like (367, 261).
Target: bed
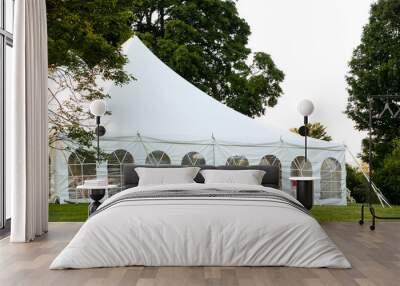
(197, 224)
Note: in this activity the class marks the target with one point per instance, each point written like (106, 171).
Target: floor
(375, 257)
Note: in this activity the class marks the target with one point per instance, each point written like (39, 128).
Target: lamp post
(98, 109)
(305, 184)
(305, 108)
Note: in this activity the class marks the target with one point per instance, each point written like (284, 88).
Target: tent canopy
(161, 104)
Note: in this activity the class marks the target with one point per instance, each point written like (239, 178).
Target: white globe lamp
(98, 107)
(305, 107)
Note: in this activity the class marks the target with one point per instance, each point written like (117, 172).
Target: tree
(315, 130)
(357, 184)
(84, 46)
(389, 174)
(374, 70)
(205, 42)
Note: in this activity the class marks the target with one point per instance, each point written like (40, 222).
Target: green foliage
(374, 70)
(84, 45)
(86, 36)
(389, 175)
(315, 130)
(205, 42)
(357, 184)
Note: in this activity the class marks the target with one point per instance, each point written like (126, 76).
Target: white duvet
(200, 231)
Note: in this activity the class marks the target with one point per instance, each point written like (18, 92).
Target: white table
(92, 187)
(96, 194)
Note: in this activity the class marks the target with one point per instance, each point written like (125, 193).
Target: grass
(78, 212)
(68, 212)
(351, 212)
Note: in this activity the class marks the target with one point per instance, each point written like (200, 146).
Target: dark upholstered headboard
(271, 178)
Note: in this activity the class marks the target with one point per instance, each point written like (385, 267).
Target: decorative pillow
(166, 176)
(248, 177)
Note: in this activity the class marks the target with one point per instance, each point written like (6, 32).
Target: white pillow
(166, 176)
(248, 177)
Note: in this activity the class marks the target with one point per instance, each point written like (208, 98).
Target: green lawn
(78, 212)
(350, 212)
(68, 212)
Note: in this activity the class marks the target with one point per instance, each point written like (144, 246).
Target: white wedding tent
(160, 118)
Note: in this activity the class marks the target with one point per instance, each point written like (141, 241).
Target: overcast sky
(312, 42)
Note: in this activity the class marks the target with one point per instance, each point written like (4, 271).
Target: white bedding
(200, 231)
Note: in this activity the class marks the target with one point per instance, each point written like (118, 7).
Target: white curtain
(27, 122)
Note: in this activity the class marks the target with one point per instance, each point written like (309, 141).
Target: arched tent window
(119, 157)
(271, 160)
(80, 168)
(114, 162)
(158, 158)
(237, 160)
(300, 168)
(193, 159)
(331, 179)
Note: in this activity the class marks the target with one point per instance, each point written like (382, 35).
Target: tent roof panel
(162, 104)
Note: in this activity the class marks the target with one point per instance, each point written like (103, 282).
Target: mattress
(201, 225)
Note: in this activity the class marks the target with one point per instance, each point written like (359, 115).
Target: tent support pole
(377, 191)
